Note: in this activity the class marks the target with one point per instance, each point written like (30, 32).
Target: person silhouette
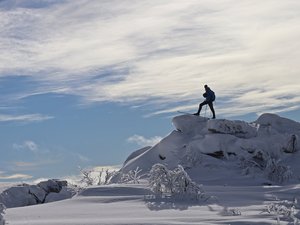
(210, 97)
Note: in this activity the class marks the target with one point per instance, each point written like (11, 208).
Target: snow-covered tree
(100, 177)
(104, 179)
(2, 211)
(160, 179)
(86, 177)
(108, 176)
(277, 172)
(175, 183)
(284, 209)
(133, 176)
(268, 164)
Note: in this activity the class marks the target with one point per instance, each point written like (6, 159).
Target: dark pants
(211, 106)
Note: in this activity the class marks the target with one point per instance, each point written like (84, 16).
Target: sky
(84, 83)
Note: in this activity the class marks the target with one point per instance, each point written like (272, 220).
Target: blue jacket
(209, 95)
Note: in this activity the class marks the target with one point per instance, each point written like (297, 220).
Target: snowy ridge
(246, 150)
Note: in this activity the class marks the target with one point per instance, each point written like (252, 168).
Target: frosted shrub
(175, 183)
(104, 179)
(159, 179)
(2, 209)
(276, 172)
(283, 209)
(231, 212)
(133, 176)
(93, 177)
(268, 163)
(100, 177)
(87, 178)
(108, 176)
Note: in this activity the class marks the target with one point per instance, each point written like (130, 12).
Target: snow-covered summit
(212, 149)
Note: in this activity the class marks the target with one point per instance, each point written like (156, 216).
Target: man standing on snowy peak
(209, 96)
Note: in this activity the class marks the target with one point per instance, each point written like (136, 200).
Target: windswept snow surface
(126, 204)
(246, 166)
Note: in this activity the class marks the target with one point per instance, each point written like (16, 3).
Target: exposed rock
(65, 193)
(24, 195)
(292, 144)
(218, 154)
(38, 193)
(17, 196)
(50, 186)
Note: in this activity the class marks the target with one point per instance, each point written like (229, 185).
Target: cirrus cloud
(142, 141)
(4, 176)
(26, 118)
(27, 145)
(158, 52)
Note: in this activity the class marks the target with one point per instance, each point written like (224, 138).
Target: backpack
(213, 96)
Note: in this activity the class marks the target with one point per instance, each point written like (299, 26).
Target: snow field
(126, 204)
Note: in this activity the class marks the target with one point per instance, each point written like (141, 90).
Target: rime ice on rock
(237, 128)
(219, 147)
(24, 195)
(189, 123)
(280, 124)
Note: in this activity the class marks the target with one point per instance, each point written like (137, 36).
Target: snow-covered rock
(292, 144)
(52, 185)
(38, 193)
(24, 195)
(279, 124)
(211, 149)
(64, 193)
(17, 196)
(190, 124)
(237, 128)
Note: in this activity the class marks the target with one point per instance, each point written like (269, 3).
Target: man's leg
(200, 107)
(211, 106)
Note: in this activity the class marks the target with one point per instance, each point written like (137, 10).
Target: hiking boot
(196, 114)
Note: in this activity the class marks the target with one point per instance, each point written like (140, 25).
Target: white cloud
(27, 145)
(82, 158)
(15, 176)
(109, 168)
(21, 166)
(24, 118)
(142, 141)
(158, 52)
